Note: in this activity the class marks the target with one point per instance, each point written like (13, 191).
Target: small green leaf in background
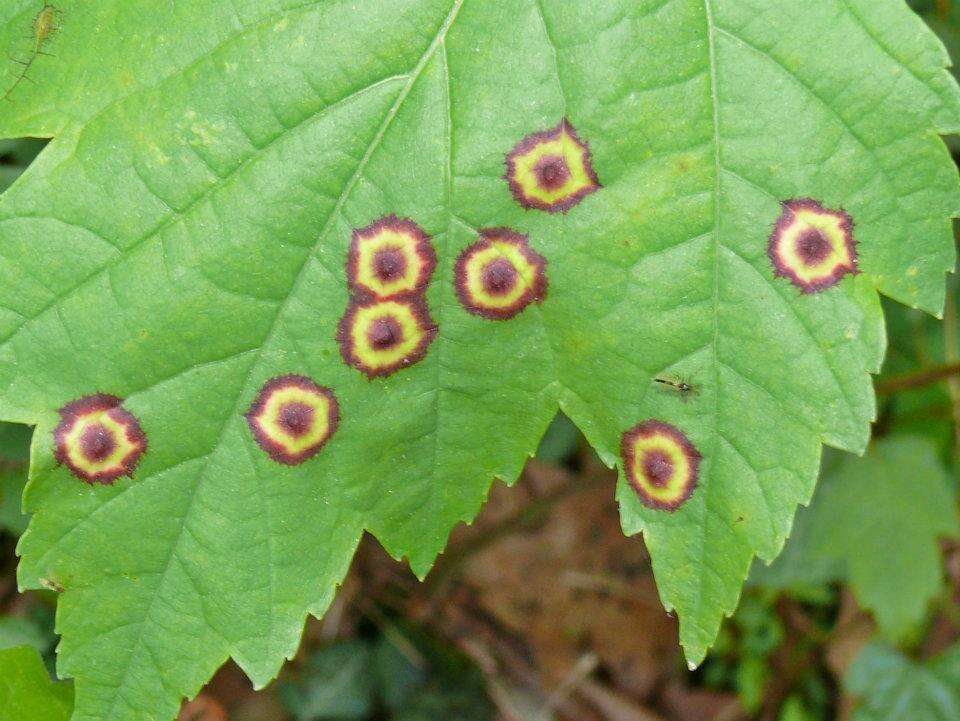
(14, 456)
(27, 692)
(752, 676)
(15, 156)
(560, 440)
(356, 680)
(891, 687)
(17, 631)
(761, 632)
(876, 523)
(398, 678)
(464, 703)
(794, 710)
(334, 684)
(439, 683)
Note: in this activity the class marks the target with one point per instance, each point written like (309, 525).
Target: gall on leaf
(390, 258)
(98, 440)
(292, 418)
(661, 464)
(380, 337)
(500, 275)
(552, 170)
(813, 246)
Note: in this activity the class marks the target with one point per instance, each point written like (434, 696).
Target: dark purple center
(552, 172)
(295, 418)
(813, 247)
(384, 333)
(657, 468)
(499, 277)
(97, 443)
(389, 264)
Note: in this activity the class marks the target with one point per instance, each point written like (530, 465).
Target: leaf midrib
(718, 165)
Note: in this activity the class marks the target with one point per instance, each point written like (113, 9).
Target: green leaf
(14, 453)
(15, 156)
(875, 523)
(349, 679)
(560, 440)
(466, 702)
(16, 631)
(14, 442)
(794, 710)
(26, 690)
(891, 687)
(183, 239)
(752, 677)
(397, 677)
(336, 684)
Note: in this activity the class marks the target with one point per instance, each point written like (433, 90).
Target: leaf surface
(184, 239)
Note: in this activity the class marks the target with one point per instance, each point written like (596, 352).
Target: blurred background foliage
(544, 611)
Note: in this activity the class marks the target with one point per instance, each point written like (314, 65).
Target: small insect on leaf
(679, 385)
(46, 24)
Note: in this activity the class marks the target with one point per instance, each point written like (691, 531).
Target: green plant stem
(919, 379)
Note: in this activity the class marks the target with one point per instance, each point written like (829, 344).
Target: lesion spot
(381, 337)
(98, 440)
(293, 417)
(390, 258)
(552, 170)
(498, 276)
(661, 463)
(813, 246)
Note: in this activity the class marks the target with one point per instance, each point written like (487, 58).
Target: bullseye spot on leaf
(500, 275)
(661, 464)
(390, 258)
(98, 440)
(813, 246)
(293, 417)
(380, 337)
(552, 170)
